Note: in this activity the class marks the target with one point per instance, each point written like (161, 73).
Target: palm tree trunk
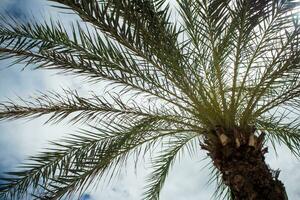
(241, 161)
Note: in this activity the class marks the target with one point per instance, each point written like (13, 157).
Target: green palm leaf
(220, 72)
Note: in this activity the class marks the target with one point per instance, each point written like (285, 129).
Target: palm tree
(220, 75)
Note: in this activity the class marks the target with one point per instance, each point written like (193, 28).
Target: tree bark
(240, 158)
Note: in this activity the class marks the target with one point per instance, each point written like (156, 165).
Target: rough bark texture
(240, 158)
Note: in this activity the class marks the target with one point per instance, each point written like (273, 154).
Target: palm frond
(273, 66)
(87, 109)
(50, 47)
(163, 163)
(279, 131)
(150, 37)
(228, 64)
(75, 161)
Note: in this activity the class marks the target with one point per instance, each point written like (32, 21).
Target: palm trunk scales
(239, 156)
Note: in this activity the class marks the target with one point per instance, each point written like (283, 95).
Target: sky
(19, 139)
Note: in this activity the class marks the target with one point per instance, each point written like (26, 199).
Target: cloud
(21, 9)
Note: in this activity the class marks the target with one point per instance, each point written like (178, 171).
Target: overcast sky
(19, 139)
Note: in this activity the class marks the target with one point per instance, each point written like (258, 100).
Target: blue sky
(21, 138)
